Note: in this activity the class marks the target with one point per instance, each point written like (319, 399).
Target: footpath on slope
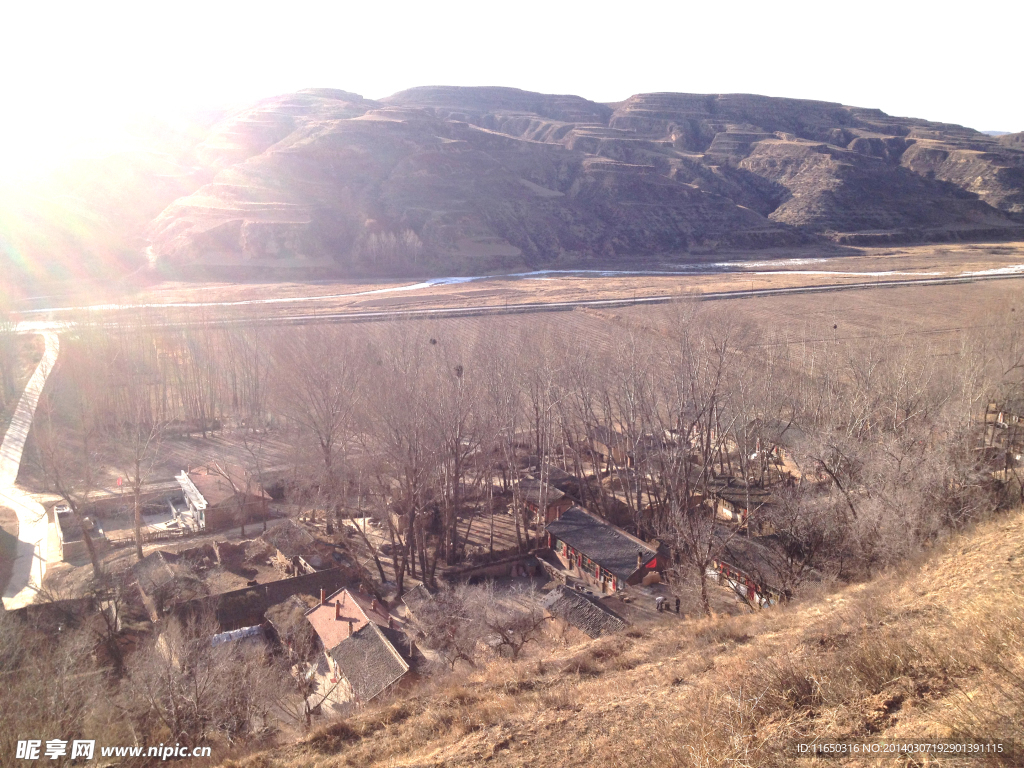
(29, 565)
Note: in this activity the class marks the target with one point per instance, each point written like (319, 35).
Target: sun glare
(74, 74)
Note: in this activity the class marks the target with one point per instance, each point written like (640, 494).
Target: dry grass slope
(934, 651)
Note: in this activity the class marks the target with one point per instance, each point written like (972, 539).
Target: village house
(1004, 427)
(369, 662)
(365, 652)
(416, 598)
(535, 494)
(601, 554)
(740, 503)
(610, 446)
(566, 482)
(220, 497)
(749, 566)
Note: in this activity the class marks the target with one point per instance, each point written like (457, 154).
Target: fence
(127, 538)
(745, 585)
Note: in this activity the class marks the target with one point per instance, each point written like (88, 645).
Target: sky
(71, 74)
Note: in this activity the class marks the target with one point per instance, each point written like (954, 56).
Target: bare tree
(193, 690)
(298, 664)
(317, 371)
(684, 464)
(244, 487)
(457, 422)
(51, 685)
(513, 620)
(451, 624)
(132, 431)
(195, 365)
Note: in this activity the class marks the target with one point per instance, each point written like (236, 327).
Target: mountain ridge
(450, 179)
(530, 178)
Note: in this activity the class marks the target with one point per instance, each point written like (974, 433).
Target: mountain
(480, 178)
(450, 179)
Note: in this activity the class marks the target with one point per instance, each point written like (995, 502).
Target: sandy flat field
(725, 272)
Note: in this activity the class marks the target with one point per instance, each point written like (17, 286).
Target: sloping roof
(735, 491)
(342, 610)
(369, 662)
(757, 557)
(216, 489)
(776, 432)
(610, 547)
(554, 472)
(416, 597)
(582, 612)
(530, 492)
(608, 437)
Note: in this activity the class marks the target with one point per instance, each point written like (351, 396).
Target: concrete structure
(69, 533)
(219, 498)
(33, 523)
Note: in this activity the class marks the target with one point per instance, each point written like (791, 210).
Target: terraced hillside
(480, 178)
(451, 180)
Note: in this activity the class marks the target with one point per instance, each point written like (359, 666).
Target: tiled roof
(530, 491)
(735, 491)
(757, 557)
(582, 612)
(369, 662)
(217, 489)
(610, 547)
(332, 622)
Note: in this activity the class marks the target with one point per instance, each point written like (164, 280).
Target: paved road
(30, 562)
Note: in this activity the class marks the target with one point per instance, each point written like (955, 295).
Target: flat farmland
(926, 312)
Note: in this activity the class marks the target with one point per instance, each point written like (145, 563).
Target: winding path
(30, 561)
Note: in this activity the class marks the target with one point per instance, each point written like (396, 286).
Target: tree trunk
(705, 600)
(138, 522)
(90, 545)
